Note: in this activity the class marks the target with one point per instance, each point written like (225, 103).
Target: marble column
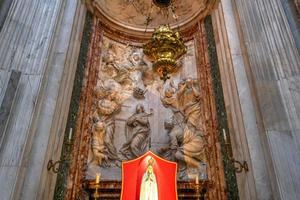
(40, 39)
(275, 67)
(272, 70)
(240, 106)
(4, 8)
(7, 101)
(291, 9)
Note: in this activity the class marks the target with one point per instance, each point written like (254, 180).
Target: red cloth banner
(133, 171)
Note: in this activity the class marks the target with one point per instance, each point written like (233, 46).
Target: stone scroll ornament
(187, 144)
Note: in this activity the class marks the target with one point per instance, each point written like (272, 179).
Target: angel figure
(98, 147)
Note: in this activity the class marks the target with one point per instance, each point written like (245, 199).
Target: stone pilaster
(244, 129)
(274, 71)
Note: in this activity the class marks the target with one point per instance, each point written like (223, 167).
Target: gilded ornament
(164, 49)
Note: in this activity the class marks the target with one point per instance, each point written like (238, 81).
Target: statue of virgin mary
(149, 189)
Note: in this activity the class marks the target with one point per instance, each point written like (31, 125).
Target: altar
(149, 177)
(137, 172)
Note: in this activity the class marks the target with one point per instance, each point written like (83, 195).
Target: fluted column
(297, 3)
(4, 8)
(275, 73)
(41, 40)
(244, 129)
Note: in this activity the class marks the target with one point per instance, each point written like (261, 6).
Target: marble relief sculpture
(126, 66)
(137, 134)
(187, 144)
(126, 81)
(120, 78)
(139, 93)
(114, 69)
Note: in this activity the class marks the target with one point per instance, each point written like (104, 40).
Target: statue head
(140, 108)
(99, 126)
(181, 84)
(109, 57)
(189, 82)
(150, 166)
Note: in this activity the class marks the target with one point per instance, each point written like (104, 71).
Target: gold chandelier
(165, 46)
(164, 49)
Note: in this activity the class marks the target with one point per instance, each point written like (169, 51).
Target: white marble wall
(41, 39)
(271, 65)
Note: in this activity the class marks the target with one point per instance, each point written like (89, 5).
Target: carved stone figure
(189, 102)
(98, 147)
(106, 109)
(137, 134)
(187, 144)
(176, 125)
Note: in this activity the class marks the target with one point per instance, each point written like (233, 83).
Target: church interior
(150, 99)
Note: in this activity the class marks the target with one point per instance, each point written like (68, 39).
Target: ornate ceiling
(129, 16)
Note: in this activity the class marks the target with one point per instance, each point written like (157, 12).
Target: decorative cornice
(137, 34)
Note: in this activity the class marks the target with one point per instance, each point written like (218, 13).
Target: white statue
(149, 189)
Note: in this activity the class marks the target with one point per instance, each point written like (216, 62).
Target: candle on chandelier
(98, 178)
(70, 134)
(197, 179)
